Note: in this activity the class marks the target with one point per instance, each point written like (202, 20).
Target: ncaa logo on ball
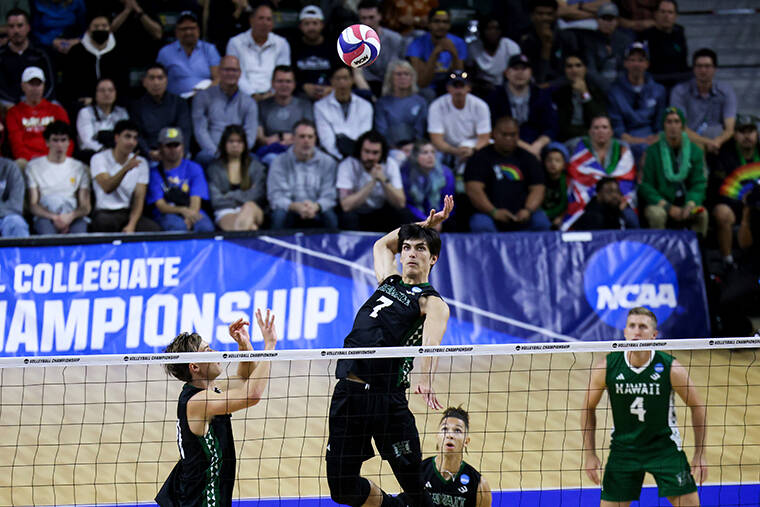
(626, 274)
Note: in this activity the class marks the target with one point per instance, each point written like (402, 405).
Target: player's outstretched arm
(436, 317)
(683, 385)
(484, 493)
(596, 387)
(245, 393)
(385, 249)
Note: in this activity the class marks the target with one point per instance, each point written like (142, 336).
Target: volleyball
(358, 45)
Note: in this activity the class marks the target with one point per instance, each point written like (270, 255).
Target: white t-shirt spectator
(57, 183)
(492, 67)
(352, 176)
(121, 198)
(459, 126)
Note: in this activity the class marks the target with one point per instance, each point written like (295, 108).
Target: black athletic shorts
(359, 414)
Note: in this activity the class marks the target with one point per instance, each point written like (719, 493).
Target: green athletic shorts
(624, 475)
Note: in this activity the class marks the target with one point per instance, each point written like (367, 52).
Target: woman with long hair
(401, 113)
(236, 183)
(96, 121)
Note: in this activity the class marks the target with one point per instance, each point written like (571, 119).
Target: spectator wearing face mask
(97, 57)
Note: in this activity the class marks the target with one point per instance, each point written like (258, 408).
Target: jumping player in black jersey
(205, 474)
(369, 401)
(451, 481)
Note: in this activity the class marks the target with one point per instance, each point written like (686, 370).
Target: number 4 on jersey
(384, 303)
(637, 408)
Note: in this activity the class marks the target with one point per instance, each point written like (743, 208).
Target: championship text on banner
(135, 297)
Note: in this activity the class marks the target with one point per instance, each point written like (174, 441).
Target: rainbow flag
(584, 171)
(740, 181)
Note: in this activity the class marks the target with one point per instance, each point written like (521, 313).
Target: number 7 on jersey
(384, 303)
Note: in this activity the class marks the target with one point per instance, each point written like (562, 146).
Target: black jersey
(205, 474)
(389, 318)
(459, 491)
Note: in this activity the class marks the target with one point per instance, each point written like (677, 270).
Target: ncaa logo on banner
(627, 274)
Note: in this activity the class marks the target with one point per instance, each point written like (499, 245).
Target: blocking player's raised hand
(268, 330)
(436, 218)
(239, 333)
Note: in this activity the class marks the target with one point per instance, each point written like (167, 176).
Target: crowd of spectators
(194, 115)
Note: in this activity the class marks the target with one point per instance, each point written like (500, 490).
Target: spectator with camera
(95, 122)
(177, 187)
(59, 186)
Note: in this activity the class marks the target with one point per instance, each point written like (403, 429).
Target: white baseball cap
(311, 12)
(32, 73)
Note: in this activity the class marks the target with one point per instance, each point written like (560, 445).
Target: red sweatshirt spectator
(27, 120)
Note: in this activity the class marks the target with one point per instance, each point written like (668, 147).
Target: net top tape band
(382, 352)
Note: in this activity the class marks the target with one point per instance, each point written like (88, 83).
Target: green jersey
(642, 401)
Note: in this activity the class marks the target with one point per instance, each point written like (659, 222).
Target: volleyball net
(102, 429)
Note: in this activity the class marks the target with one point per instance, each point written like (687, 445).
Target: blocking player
(449, 479)
(205, 474)
(369, 401)
(645, 438)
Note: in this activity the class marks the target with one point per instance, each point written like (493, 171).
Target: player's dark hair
(701, 53)
(57, 128)
(183, 342)
(304, 122)
(458, 413)
(123, 125)
(506, 119)
(574, 54)
(373, 136)
(414, 231)
(640, 310)
(245, 157)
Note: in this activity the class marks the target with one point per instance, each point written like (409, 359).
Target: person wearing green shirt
(640, 384)
(673, 186)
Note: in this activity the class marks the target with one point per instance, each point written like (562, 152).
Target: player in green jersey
(645, 437)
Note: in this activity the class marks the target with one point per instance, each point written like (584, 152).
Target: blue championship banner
(135, 297)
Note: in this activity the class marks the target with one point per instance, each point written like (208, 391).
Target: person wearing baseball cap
(605, 47)
(191, 64)
(530, 105)
(636, 102)
(736, 162)
(27, 120)
(312, 55)
(177, 186)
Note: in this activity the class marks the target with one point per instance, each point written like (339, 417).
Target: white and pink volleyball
(358, 45)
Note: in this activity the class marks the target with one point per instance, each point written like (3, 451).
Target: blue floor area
(743, 495)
